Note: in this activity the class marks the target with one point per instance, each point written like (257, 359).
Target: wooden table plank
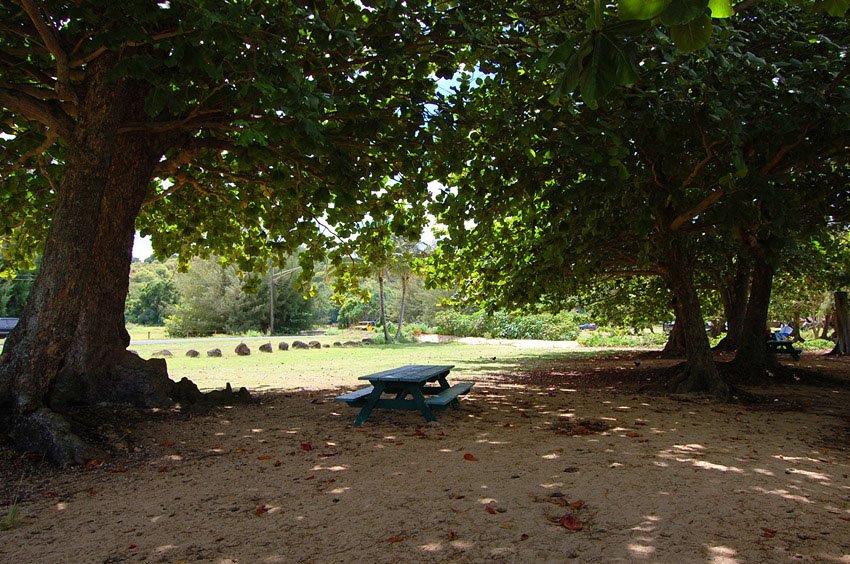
(410, 373)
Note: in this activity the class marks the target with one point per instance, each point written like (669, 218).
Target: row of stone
(244, 350)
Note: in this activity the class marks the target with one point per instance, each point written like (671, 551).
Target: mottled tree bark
(842, 324)
(734, 291)
(700, 373)
(69, 346)
(752, 356)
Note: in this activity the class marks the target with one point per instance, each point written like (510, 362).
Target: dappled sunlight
(337, 468)
(783, 493)
(808, 474)
(722, 555)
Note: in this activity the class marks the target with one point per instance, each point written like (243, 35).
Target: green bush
(816, 345)
(503, 325)
(603, 339)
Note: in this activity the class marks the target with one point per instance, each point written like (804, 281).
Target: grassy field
(333, 367)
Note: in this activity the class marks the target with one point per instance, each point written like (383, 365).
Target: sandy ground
(646, 478)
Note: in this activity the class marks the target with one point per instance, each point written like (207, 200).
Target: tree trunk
(700, 373)
(69, 345)
(827, 322)
(733, 295)
(387, 338)
(842, 324)
(675, 345)
(405, 279)
(752, 356)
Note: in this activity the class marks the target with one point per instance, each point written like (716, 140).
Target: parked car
(6, 326)
(588, 327)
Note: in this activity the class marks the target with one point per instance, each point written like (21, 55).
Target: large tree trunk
(700, 373)
(733, 295)
(675, 345)
(842, 324)
(752, 356)
(405, 279)
(69, 346)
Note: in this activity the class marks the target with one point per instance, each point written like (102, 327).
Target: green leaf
(680, 12)
(693, 35)
(641, 9)
(835, 8)
(628, 28)
(721, 8)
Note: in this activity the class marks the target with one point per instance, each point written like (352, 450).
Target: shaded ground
(649, 477)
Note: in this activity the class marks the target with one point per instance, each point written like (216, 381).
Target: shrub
(816, 344)
(504, 325)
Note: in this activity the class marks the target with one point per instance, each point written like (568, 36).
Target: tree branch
(783, 152)
(683, 218)
(54, 44)
(46, 113)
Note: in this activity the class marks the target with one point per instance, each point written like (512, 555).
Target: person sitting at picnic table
(784, 333)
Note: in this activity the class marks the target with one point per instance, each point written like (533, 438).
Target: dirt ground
(565, 461)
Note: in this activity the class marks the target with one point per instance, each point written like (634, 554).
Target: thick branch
(683, 218)
(53, 43)
(41, 111)
(783, 152)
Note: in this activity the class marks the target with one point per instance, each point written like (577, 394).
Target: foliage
(14, 293)
(502, 325)
(816, 345)
(602, 338)
(152, 293)
(215, 299)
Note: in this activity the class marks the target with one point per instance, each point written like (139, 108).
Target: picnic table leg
(419, 399)
(371, 402)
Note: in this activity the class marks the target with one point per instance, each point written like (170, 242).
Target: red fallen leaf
(571, 522)
(118, 470)
(470, 457)
(92, 493)
(306, 446)
(132, 547)
(262, 508)
(264, 457)
(277, 463)
(523, 537)
(768, 533)
(451, 535)
(396, 538)
(577, 504)
(93, 463)
(491, 510)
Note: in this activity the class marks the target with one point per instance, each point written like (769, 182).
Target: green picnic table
(418, 386)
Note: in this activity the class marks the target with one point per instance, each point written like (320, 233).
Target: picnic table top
(410, 373)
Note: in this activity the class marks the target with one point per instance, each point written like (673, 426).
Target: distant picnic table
(407, 387)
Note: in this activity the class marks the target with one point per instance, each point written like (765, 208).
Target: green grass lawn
(334, 367)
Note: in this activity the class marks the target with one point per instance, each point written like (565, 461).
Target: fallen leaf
(451, 535)
(264, 457)
(262, 508)
(277, 463)
(844, 518)
(523, 537)
(306, 446)
(571, 522)
(633, 435)
(768, 533)
(396, 538)
(491, 510)
(132, 547)
(92, 493)
(470, 457)
(119, 470)
(162, 469)
(577, 504)
(94, 463)
(310, 478)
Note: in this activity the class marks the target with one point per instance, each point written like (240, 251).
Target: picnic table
(407, 387)
(776, 346)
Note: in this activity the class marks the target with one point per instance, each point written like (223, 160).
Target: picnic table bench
(776, 346)
(406, 387)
